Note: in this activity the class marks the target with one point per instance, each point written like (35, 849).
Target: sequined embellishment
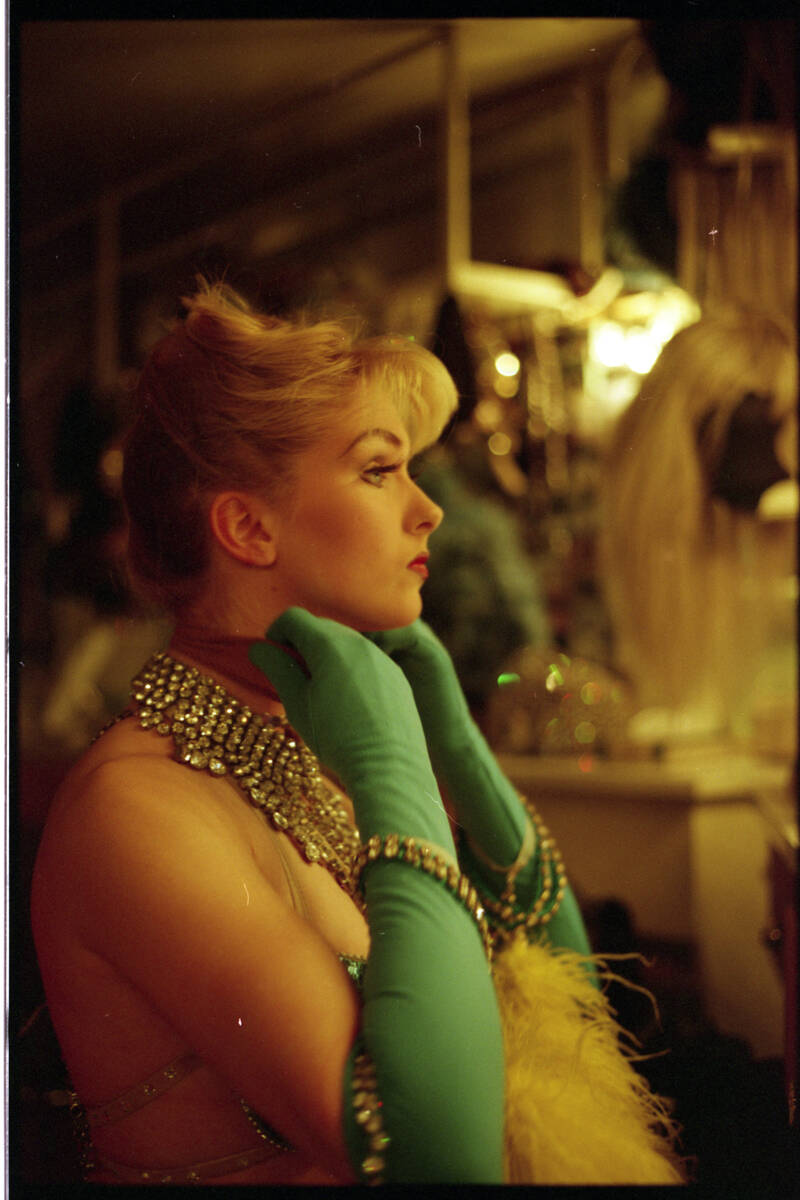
(420, 856)
(197, 1173)
(211, 731)
(504, 915)
(140, 1095)
(354, 965)
(367, 1107)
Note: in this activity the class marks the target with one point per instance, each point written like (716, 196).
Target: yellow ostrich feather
(576, 1110)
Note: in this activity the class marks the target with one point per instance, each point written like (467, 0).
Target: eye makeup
(381, 472)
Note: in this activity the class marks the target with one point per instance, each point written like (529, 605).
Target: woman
(203, 905)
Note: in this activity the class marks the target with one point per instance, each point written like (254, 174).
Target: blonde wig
(688, 578)
(227, 398)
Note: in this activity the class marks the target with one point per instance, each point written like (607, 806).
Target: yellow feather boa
(576, 1110)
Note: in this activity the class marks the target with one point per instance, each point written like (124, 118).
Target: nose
(424, 513)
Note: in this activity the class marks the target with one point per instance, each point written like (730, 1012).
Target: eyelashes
(376, 475)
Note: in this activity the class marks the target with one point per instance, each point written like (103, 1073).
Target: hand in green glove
(356, 711)
(486, 804)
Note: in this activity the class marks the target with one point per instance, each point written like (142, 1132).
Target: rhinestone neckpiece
(212, 731)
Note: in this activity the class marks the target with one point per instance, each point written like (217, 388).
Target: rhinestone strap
(83, 1133)
(196, 1173)
(140, 1095)
(367, 1106)
(409, 850)
(264, 1131)
(505, 916)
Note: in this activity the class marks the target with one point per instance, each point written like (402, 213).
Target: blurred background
(550, 205)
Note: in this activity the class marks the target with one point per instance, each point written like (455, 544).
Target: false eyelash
(414, 470)
(390, 469)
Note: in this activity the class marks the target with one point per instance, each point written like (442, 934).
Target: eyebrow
(384, 435)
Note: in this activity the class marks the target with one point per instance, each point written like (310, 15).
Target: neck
(224, 656)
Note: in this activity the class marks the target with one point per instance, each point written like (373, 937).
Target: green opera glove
(354, 708)
(486, 804)
(430, 1022)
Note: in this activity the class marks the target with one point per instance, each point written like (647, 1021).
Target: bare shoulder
(127, 806)
(125, 761)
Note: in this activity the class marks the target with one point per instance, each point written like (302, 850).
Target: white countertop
(689, 775)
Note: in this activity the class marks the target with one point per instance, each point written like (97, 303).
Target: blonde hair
(681, 567)
(228, 398)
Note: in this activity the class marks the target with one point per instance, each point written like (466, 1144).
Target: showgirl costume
(487, 1051)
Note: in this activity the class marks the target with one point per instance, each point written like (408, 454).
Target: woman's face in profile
(352, 537)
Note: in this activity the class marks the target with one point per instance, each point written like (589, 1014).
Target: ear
(241, 524)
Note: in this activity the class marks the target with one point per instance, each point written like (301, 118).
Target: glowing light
(554, 670)
(506, 678)
(554, 679)
(111, 464)
(608, 344)
(506, 386)
(591, 692)
(664, 324)
(507, 364)
(488, 414)
(499, 443)
(641, 350)
(586, 763)
(585, 732)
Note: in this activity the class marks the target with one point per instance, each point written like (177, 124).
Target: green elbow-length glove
(430, 1021)
(486, 804)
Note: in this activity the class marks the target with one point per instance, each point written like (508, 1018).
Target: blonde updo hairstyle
(686, 576)
(227, 398)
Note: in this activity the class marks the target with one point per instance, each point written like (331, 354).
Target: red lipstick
(419, 565)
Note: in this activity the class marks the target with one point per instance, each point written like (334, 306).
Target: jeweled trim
(416, 854)
(197, 1173)
(367, 1107)
(212, 731)
(142, 1093)
(504, 916)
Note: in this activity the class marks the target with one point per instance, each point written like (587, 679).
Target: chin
(382, 626)
(377, 622)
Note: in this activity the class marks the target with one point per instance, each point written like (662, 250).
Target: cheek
(338, 527)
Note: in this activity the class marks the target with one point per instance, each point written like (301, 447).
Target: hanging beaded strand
(504, 916)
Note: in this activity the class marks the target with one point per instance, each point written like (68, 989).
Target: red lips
(419, 565)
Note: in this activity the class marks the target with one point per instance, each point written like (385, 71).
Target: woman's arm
(430, 1023)
(170, 894)
(506, 850)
